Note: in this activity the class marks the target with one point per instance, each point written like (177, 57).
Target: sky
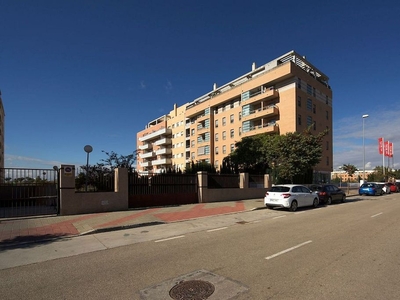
(78, 72)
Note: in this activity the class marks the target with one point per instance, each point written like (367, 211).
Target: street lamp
(363, 117)
(87, 149)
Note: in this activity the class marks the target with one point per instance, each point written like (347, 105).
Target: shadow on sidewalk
(30, 241)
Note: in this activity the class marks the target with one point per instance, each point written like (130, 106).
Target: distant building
(288, 94)
(2, 116)
(344, 177)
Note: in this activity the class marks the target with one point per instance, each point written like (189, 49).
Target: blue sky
(74, 73)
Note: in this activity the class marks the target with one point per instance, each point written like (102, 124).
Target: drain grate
(192, 290)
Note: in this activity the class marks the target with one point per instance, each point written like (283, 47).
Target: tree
(200, 166)
(350, 170)
(115, 160)
(248, 156)
(291, 156)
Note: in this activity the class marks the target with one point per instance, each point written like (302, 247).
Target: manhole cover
(192, 290)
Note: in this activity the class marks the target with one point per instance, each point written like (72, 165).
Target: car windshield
(367, 185)
(280, 189)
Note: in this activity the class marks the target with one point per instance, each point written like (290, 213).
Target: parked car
(393, 187)
(385, 187)
(327, 193)
(290, 196)
(370, 188)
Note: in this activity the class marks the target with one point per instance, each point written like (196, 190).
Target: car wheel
(329, 201)
(343, 198)
(293, 206)
(315, 202)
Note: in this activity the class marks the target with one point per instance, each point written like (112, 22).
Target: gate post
(202, 181)
(67, 186)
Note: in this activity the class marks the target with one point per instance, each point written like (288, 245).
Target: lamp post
(87, 149)
(364, 117)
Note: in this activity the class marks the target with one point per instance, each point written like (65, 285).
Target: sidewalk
(36, 229)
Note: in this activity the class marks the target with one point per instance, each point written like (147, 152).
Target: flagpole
(383, 156)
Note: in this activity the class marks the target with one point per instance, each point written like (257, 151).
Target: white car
(290, 196)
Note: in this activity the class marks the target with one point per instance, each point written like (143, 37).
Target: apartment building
(2, 115)
(288, 94)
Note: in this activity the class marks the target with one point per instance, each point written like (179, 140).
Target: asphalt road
(342, 251)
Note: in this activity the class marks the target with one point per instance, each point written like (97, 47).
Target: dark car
(327, 193)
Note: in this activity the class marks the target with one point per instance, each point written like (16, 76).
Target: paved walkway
(25, 230)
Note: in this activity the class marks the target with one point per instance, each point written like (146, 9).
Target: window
(327, 115)
(192, 143)
(298, 101)
(216, 164)
(327, 161)
(298, 119)
(193, 131)
(314, 109)
(309, 121)
(232, 133)
(309, 104)
(193, 155)
(224, 149)
(313, 91)
(216, 123)
(232, 118)
(309, 89)
(240, 115)
(299, 83)
(315, 125)
(240, 131)
(232, 147)
(223, 121)
(326, 100)
(216, 137)
(327, 145)
(216, 150)
(224, 135)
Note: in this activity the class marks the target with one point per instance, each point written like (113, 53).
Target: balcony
(155, 134)
(261, 113)
(163, 151)
(162, 161)
(146, 155)
(145, 147)
(145, 163)
(164, 141)
(267, 128)
(267, 95)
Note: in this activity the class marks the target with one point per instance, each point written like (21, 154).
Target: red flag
(386, 148)
(390, 149)
(380, 147)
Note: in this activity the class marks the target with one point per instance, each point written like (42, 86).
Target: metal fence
(94, 181)
(256, 181)
(162, 184)
(28, 192)
(220, 181)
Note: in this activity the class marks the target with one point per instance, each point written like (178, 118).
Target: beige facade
(2, 116)
(285, 95)
(344, 176)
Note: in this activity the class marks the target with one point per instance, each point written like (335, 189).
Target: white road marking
(216, 229)
(278, 217)
(287, 250)
(376, 215)
(171, 238)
